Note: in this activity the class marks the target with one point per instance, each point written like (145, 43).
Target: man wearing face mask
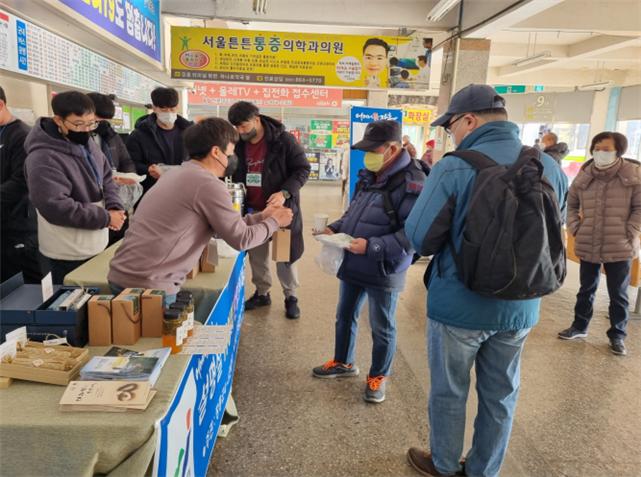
(158, 137)
(114, 149)
(375, 265)
(465, 328)
(273, 166)
(178, 216)
(70, 185)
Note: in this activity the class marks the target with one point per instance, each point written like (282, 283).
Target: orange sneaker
(335, 369)
(375, 389)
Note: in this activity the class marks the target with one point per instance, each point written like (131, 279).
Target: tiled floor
(579, 413)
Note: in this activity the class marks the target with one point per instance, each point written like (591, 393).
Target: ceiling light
(601, 85)
(532, 59)
(441, 9)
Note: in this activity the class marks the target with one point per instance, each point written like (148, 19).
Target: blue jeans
(617, 275)
(382, 318)
(497, 358)
(117, 290)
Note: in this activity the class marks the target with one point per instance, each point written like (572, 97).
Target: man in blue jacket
(378, 258)
(466, 329)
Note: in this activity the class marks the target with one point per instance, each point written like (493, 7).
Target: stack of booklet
(126, 365)
(107, 396)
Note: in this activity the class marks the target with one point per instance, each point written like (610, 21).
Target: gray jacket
(63, 186)
(604, 212)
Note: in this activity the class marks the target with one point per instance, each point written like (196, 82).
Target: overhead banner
(360, 117)
(136, 22)
(249, 56)
(226, 94)
(27, 49)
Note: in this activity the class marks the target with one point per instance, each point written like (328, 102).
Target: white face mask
(604, 159)
(167, 118)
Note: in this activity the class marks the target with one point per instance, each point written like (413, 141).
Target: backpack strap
(395, 181)
(527, 154)
(476, 159)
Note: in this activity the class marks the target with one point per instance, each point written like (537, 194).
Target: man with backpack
(493, 222)
(375, 265)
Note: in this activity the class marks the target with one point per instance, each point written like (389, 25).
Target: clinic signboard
(187, 434)
(249, 56)
(360, 117)
(263, 96)
(136, 22)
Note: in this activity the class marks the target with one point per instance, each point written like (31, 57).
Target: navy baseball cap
(378, 133)
(474, 97)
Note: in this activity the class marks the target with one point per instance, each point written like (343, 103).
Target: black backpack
(513, 247)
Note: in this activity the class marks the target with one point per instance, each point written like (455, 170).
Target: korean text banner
(226, 94)
(136, 22)
(290, 58)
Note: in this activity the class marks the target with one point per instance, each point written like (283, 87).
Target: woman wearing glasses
(70, 185)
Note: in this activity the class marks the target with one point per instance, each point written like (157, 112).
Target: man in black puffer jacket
(376, 263)
(158, 137)
(19, 226)
(273, 167)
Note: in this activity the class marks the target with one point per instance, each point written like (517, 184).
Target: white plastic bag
(332, 252)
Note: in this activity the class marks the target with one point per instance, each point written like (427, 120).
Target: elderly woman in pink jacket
(604, 214)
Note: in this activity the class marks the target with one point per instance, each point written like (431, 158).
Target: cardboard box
(281, 245)
(152, 313)
(133, 291)
(209, 258)
(194, 271)
(126, 322)
(100, 320)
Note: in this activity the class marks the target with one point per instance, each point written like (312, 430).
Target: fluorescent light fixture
(532, 59)
(441, 9)
(595, 86)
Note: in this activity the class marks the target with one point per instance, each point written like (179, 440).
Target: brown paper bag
(99, 309)
(152, 313)
(281, 245)
(125, 312)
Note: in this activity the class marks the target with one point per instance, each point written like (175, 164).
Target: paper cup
(320, 222)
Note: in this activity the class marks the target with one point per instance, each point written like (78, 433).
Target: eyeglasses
(86, 126)
(448, 128)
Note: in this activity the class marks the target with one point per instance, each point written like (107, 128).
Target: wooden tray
(42, 375)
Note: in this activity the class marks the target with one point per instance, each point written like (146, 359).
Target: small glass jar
(170, 324)
(188, 299)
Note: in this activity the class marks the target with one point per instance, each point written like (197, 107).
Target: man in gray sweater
(177, 217)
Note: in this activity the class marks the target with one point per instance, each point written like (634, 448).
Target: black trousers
(617, 275)
(20, 254)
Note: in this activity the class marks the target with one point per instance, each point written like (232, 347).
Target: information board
(30, 50)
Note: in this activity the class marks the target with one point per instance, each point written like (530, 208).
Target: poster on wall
(360, 117)
(226, 94)
(329, 166)
(353, 61)
(136, 22)
(314, 162)
(187, 433)
(30, 50)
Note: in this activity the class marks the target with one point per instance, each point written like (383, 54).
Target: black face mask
(249, 136)
(79, 137)
(232, 164)
(103, 128)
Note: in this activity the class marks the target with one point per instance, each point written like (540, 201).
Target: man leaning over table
(179, 215)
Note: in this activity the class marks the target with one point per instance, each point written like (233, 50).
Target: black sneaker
(617, 347)
(291, 308)
(257, 301)
(334, 369)
(572, 333)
